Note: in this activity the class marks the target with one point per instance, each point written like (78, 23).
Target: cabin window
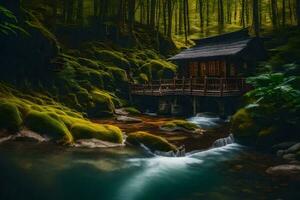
(202, 69)
(232, 70)
(215, 68)
(194, 69)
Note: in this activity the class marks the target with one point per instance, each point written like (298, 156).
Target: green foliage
(102, 104)
(102, 132)
(153, 142)
(112, 57)
(9, 23)
(158, 69)
(43, 123)
(273, 110)
(285, 44)
(10, 117)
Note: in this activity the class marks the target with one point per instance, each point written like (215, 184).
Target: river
(31, 170)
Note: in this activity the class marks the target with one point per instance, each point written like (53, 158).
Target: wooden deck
(214, 87)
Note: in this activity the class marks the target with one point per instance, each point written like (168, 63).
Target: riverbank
(49, 171)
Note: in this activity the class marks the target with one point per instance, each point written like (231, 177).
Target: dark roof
(228, 44)
(236, 35)
(212, 50)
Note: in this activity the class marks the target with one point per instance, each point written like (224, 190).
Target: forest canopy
(182, 19)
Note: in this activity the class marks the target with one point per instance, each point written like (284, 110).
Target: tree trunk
(201, 15)
(80, 11)
(220, 16)
(256, 17)
(298, 12)
(170, 18)
(283, 12)
(131, 11)
(152, 15)
(185, 20)
(274, 13)
(243, 13)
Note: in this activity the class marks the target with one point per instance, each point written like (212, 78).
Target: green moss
(102, 132)
(243, 125)
(157, 69)
(142, 78)
(89, 63)
(10, 117)
(119, 75)
(153, 142)
(102, 104)
(132, 110)
(43, 123)
(181, 124)
(112, 57)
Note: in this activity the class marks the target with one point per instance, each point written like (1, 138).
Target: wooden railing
(206, 86)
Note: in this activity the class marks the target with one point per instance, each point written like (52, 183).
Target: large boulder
(10, 117)
(153, 142)
(45, 124)
(108, 133)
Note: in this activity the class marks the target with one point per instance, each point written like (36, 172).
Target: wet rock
(121, 111)
(95, 143)
(27, 134)
(283, 145)
(296, 162)
(289, 156)
(280, 153)
(284, 170)
(127, 119)
(294, 148)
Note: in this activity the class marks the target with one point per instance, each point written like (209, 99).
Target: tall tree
(283, 12)
(131, 12)
(220, 16)
(274, 13)
(298, 12)
(256, 17)
(201, 15)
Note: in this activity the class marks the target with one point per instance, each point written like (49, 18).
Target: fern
(9, 23)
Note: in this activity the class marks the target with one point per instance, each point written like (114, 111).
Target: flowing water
(46, 171)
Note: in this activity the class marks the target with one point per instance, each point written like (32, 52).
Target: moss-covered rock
(244, 126)
(102, 104)
(43, 123)
(175, 125)
(112, 57)
(157, 69)
(10, 117)
(153, 142)
(98, 131)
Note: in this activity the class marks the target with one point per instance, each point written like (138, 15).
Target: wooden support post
(191, 85)
(159, 85)
(174, 83)
(205, 85)
(221, 87)
(183, 84)
(194, 105)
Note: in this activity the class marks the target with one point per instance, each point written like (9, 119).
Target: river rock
(289, 156)
(294, 148)
(121, 111)
(95, 143)
(284, 170)
(178, 128)
(27, 134)
(127, 119)
(283, 145)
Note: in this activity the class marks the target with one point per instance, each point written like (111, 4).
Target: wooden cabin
(215, 66)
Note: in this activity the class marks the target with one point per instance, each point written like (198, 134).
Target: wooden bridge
(206, 86)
